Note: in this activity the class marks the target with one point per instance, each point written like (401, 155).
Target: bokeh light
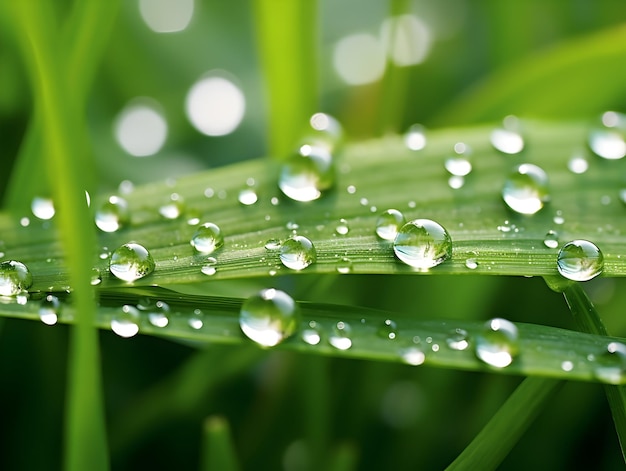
(140, 128)
(166, 16)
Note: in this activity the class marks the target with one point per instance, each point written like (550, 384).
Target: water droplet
(497, 345)
(415, 138)
(131, 262)
(389, 223)
(113, 214)
(526, 189)
(49, 310)
(210, 266)
(388, 330)
(248, 196)
(297, 253)
(610, 366)
(15, 277)
(457, 340)
(312, 335)
(272, 244)
(578, 164)
(173, 208)
(551, 240)
(325, 131)
(558, 218)
(413, 356)
(96, 279)
(607, 143)
(125, 323)
(207, 238)
(471, 263)
(158, 311)
(42, 208)
(458, 166)
(423, 244)
(455, 182)
(342, 228)
(340, 337)
(580, 260)
(196, 319)
(269, 317)
(307, 174)
(508, 139)
(567, 365)
(344, 265)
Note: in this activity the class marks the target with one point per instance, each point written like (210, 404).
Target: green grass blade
(218, 448)
(287, 44)
(493, 443)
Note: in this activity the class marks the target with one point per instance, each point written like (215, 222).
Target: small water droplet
(580, 260)
(15, 277)
(558, 218)
(607, 143)
(210, 266)
(272, 244)
(307, 173)
(292, 226)
(458, 339)
(578, 164)
(458, 166)
(125, 322)
(96, 279)
(423, 244)
(388, 330)
(344, 265)
(196, 319)
(497, 345)
(207, 238)
(49, 310)
(415, 137)
(340, 337)
(508, 139)
(42, 208)
(471, 263)
(248, 196)
(173, 208)
(526, 189)
(24, 222)
(312, 335)
(297, 253)
(159, 314)
(413, 356)
(551, 239)
(269, 317)
(113, 214)
(342, 228)
(567, 365)
(610, 366)
(389, 223)
(131, 262)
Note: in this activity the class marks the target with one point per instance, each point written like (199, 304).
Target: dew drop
(423, 244)
(526, 189)
(458, 166)
(389, 223)
(415, 137)
(578, 165)
(196, 319)
(96, 278)
(248, 196)
(567, 365)
(307, 173)
(42, 208)
(610, 366)
(457, 340)
(580, 260)
(15, 277)
(507, 139)
(342, 228)
(272, 244)
(207, 238)
(551, 239)
(311, 335)
(471, 263)
(125, 322)
(297, 253)
(131, 262)
(49, 310)
(497, 345)
(269, 317)
(607, 143)
(388, 330)
(210, 266)
(340, 336)
(113, 214)
(344, 265)
(413, 356)
(173, 208)
(158, 312)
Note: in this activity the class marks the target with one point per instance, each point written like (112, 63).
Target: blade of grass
(496, 439)
(287, 43)
(218, 452)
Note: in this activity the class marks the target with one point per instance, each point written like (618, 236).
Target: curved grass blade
(218, 452)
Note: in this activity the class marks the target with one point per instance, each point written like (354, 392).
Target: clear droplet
(272, 244)
(508, 139)
(471, 263)
(340, 336)
(580, 260)
(307, 173)
(388, 330)
(415, 137)
(311, 335)
(113, 214)
(42, 208)
(497, 345)
(49, 310)
(578, 164)
(269, 317)
(526, 189)
(610, 366)
(173, 208)
(423, 244)
(15, 277)
(248, 196)
(207, 238)
(607, 143)
(125, 322)
(131, 262)
(297, 253)
(413, 356)
(158, 313)
(455, 182)
(342, 228)
(325, 131)
(389, 223)
(458, 166)
(458, 339)
(551, 239)
(196, 319)
(210, 266)
(344, 265)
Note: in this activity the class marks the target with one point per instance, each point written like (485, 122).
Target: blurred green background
(289, 411)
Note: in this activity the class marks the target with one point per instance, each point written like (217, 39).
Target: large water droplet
(131, 262)
(15, 277)
(207, 238)
(269, 317)
(389, 223)
(49, 310)
(526, 189)
(113, 214)
(610, 367)
(608, 141)
(297, 253)
(308, 173)
(415, 137)
(340, 337)
(580, 260)
(497, 345)
(423, 244)
(42, 208)
(125, 323)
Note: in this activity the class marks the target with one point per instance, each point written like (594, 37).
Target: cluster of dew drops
(271, 316)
